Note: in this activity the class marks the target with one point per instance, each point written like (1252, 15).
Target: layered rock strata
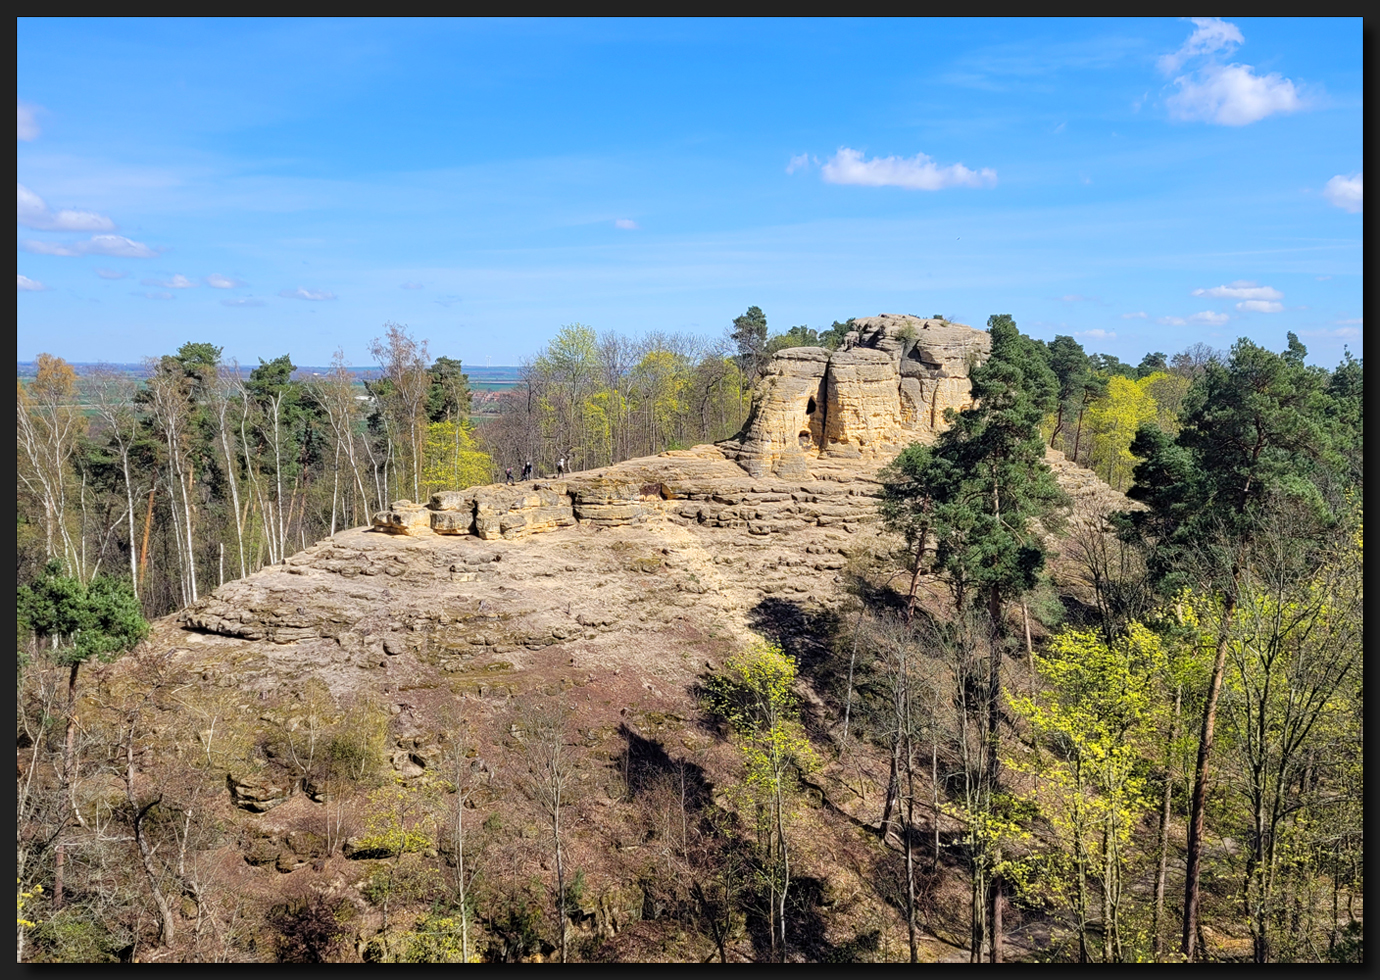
(887, 386)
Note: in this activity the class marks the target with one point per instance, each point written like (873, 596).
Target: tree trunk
(68, 751)
(1162, 865)
(168, 926)
(1200, 774)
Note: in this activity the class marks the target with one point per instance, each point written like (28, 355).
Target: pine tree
(979, 492)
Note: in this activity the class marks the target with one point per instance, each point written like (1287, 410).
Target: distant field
(497, 377)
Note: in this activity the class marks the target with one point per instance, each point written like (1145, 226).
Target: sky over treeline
(290, 185)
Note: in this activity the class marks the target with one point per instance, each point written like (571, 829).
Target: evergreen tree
(979, 492)
(79, 621)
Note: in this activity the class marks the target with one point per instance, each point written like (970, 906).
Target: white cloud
(917, 174)
(27, 285)
(241, 301)
(216, 281)
(115, 246)
(1240, 289)
(154, 295)
(1352, 322)
(411, 285)
(312, 294)
(1260, 306)
(626, 224)
(1232, 95)
(176, 282)
(34, 213)
(1073, 298)
(1170, 321)
(28, 125)
(1097, 334)
(1210, 35)
(799, 162)
(111, 274)
(1135, 316)
(1209, 317)
(1344, 192)
(1322, 278)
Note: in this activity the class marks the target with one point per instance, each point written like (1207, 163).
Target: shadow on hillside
(647, 766)
(813, 638)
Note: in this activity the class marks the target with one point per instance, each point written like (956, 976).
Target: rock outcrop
(887, 386)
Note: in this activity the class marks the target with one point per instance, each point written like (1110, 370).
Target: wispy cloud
(27, 285)
(1260, 306)
(115, 246)
(216, 281)
(798, 162)
(176, 282)
(28, 124)
(154, 295)
(448, 300)
(1075, 298)
(1210, 35)
(1170, 321)
(1344, 192)
(241, 301)
(302, 293)
(111, 273)
(1097, 334)
(33, 212)
(626, 224)
(1226, 94)
(1351, 322)
(919, 173)
(1135, 316)
(411, 285)
(1209, 317)
(1240, 289)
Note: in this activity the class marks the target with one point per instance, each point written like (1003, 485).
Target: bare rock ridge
(715, 527)
(886, 387)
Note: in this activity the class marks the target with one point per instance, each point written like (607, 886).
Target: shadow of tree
(646, 764)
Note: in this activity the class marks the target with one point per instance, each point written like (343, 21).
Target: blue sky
(289, 186)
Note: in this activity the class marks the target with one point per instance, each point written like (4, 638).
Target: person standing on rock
(560, 466)
(509, 474)
(527, 471)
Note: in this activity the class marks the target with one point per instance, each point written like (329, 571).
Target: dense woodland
(1142, 726)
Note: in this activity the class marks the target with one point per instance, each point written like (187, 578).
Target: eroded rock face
(886, 387)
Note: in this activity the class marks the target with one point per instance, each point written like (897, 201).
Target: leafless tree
(548, 761)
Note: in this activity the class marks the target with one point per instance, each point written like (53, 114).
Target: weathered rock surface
(886, 387)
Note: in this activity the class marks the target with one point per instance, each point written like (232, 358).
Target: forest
(1139, 725)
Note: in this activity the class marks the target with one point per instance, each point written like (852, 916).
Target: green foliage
(98, 619)
(436, 938)
(73, 935)
(749, 334)
(1261, 424)
(409, 881)
(799, 336)
(357, 748)
(399, 822)
(448, 399)
(978, 489)
(1098, 715)
(451, 460)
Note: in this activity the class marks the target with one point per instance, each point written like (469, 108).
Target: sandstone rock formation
(886, 387)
